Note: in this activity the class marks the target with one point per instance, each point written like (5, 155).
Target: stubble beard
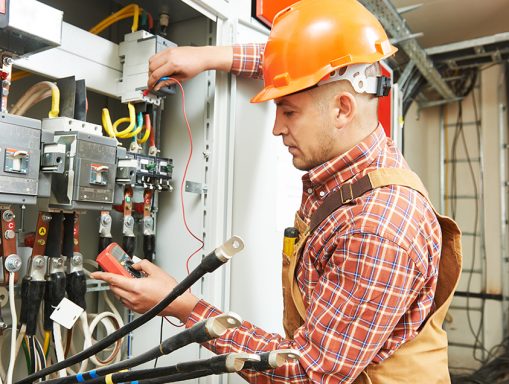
(319, 155)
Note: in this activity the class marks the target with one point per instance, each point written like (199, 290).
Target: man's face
(306, 128)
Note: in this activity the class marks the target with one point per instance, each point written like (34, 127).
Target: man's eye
(288, 113)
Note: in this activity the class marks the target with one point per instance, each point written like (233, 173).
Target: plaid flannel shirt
(247, 60)
(367, 275)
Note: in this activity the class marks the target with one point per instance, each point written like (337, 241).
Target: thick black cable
(31, 348)
(210, 263)
(160, 339)
(214, 364)
(196, 334)
(262, 365)
(179, 377)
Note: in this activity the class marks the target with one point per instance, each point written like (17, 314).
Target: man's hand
(183, 63)
(143, 293)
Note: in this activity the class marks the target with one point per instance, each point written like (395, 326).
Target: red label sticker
(2, 6)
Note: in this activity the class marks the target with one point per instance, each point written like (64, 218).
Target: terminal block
(143, 171)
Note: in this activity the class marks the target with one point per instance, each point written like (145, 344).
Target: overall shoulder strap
(349, 191)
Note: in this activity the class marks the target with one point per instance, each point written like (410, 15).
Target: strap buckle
(383, 86)
(348, 198)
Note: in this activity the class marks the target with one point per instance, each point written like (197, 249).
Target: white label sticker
(66, 313)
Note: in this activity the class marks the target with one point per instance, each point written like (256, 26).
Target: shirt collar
(348, 164)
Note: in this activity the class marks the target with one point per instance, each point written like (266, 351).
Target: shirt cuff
(201, 311)
(247, 60)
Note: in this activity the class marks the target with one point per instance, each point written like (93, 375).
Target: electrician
(364, 299)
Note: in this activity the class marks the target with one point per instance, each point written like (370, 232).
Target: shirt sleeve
(364, 290)
(247, 60)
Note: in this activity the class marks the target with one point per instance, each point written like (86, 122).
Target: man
(361, 296)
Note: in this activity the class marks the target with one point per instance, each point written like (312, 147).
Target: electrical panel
(64, 167)
(20, 142)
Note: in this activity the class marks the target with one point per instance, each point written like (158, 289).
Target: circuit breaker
(20, 139)
(82, 167)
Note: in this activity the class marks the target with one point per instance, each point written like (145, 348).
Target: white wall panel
(266, 195)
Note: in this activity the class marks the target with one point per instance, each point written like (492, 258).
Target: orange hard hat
(312, 38)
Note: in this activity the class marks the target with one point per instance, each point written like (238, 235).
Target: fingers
(146, 266)
(166, 83)
(121, 294)
(112, 279)
(164, 70)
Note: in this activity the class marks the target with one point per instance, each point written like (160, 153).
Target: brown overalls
(422, 360)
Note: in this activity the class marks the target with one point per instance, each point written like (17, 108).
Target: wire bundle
(496, 371)
(36, 94)
(135, 126)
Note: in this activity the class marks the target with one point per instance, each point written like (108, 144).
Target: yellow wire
(107, 20)
(124, 13)
(146, 136)
(108, 379)
(116, 124)
(106, 119)
(131, 134)
(111, 22)
(132, 123)
(134, 27)
(47, 339)
(18, 75)
(55, 102)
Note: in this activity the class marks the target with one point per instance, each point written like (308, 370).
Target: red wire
(172, 323)
(185, 174)
(148, 125)
(150, 21)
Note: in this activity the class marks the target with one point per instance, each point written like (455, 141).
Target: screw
(106, 220)
(57, 262)
(76, 260)
(8, 61)
(13, 263)
(46, 217)
(10, 234)
(129, 221)
(38, 262)
(8, 215)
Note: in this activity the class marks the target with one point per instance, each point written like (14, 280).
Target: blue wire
(164, 78)
(139, 123)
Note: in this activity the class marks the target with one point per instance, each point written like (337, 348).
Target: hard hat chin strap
(355, 74)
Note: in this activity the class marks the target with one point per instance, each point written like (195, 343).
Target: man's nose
(279, 127)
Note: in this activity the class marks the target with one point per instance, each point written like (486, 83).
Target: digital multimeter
(115, 260)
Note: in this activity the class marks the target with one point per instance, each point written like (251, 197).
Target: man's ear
(345, 108)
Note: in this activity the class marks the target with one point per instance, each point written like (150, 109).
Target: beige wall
(422, 142)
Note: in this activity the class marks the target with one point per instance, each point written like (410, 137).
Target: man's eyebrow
(284, 102)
